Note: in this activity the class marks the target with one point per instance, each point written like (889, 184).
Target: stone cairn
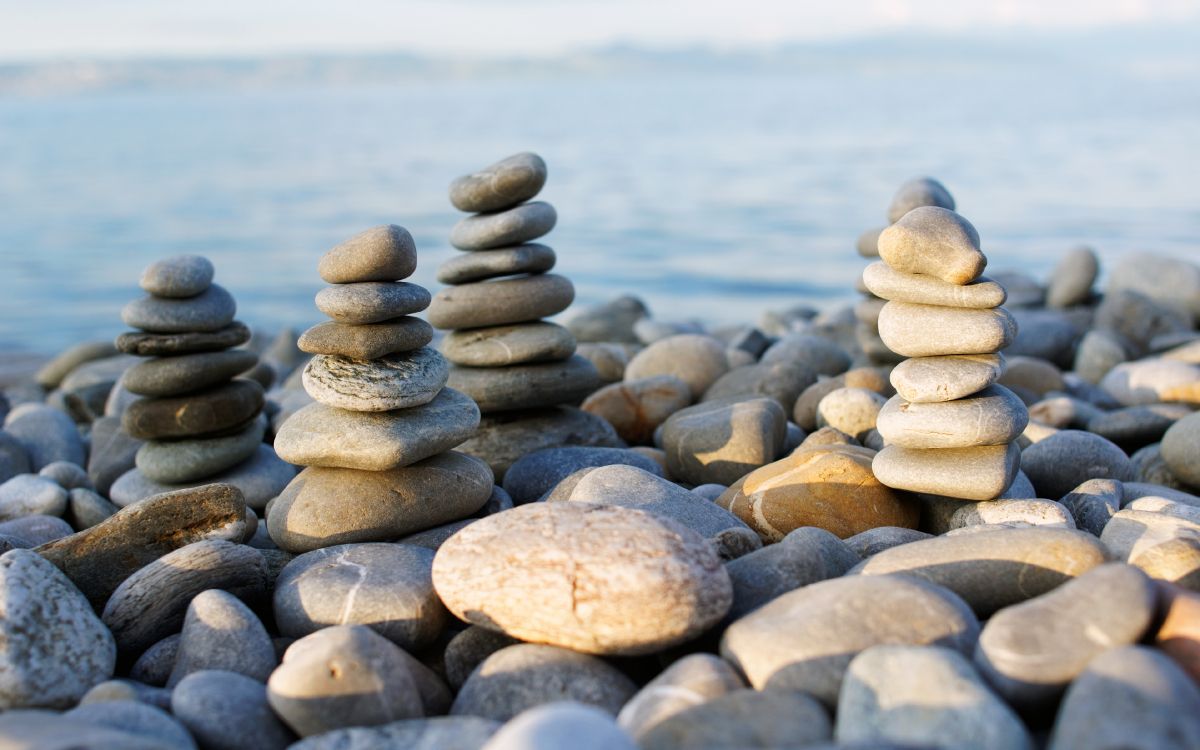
(949, 431)
(513, 363)
(377, 439)
(197, 417)
(919, 191)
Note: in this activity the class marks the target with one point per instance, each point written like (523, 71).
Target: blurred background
(716, 159)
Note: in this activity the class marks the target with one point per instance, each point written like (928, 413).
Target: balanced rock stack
(504, 355)
(198, 418)
(949, 430)
(376, 439)
(917, 192)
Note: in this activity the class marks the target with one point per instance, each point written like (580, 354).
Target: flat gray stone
(208, 412)
(30, 531)
(86, 508)
(503, 302)
(512, 226)
(260, 478)
(930, 331)
(209, 311)
(169, 344)
(917, 192)
(722, 441)
(526, 386)
(505, 261)
(181, 461)
(186, 373)
(873, 541)
(782, 381)
(978, 473)
(53, 372)
(499, 346)
(537, 473)
(136, 718)
(154, 666)
(1136, 426)
(610, 322)
(179, 276)
(48, 730)
(1009, 512)
(47, 434)
(383, 253)
(945, 378)
(220, 632)
(228, 711)
(561, 724)
(66, 474)
(688, 682)
(366, 340)
(31, 495)
(1072, 279)
(504, 437)
(805, 556)
(1068, 458)
(371, 301)
(887, 283)
(397, 381)
(993, 416)
(502, 185)
(468, 649)
(743, 719)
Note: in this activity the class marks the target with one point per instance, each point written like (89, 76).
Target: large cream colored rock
(980, 473)
(887, 283)
(934, 241)
(930, 330)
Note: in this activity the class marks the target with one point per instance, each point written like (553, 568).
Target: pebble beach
(962, 511)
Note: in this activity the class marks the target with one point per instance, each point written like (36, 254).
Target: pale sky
(49, 29)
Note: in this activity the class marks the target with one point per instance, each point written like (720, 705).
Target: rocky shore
(961, 513)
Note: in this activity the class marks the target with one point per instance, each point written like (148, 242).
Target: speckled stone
(501, 185)
(512, 226)
(220, 632)
(397, 381)
(367, 340)
(993, 416)
(228, 711)
(371, 301)
(383, 253)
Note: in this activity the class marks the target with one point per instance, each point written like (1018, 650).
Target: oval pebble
(512, 226)
(502, 185)
(383, 253)
(179, 276)
(207, 312)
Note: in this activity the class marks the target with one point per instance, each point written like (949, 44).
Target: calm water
(710, 196)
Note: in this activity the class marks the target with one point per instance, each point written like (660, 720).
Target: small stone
(1129, 697)
(611, 322)
(1098, 352)
(1137, 319)
(169, 344)
(526, 675)
(383, 253)
(501, 303)
(535, 474)
(564, 582)
(1093, 503)
(500, 346)
(526, 386)
(433, 733)
(1137, 426)
(151, 604)
(1164, 546)
(371, 301)
(867, 243)
(1179, 634)
(504, 437)
(386, 587)
(343, 676)
(819, 354)
(850, 410)
(743, 718)
(186, 373)
(14, 459)
(468, 649)
(923, 697)
(47, 434)
(207, 312)
(260, 478)
(502, 185)
(930, 331)
(506, 261)
(366, 341)
(1181, 449)
(523, 223)
(86, 508)
(917, 192)
(873, 541)
(1029, 652)
(829, 487)
(1173, 282)
(219, 632)
(179, 276)
(979, 473)
(154, 666)
(52, 373)
(696, 359)
(690, 681)
(994, 568)
(782, 381)
(1068, 458)
(66, 474)
(1023, 289)
(29, 495)
(180, 461)
(635, 408)
(138, 719)
(805, 639)
(887, 283)
(608, 359)
(53, 648)
(320, 435)
(561, 724)
(33, 530)
(204, 413)
(228, 711)
(1072, 279)
(720, 441)
(398, 381)
(803, 557)
(1012, 513)
(993, 416)
(805, 412)
(934, 241)
(447, 487)
(112, 453)
(945, 378)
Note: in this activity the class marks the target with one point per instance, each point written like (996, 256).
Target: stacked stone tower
(377, 439)
(505, 357)
(950, 429)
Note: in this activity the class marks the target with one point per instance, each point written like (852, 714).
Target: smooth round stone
(1072, 279)
(228, 711)
(505, 261)
(98, 559)
(852, 411)
(383, 253)
(917, 192)
(782, 381)
(502, 185)
(526, 675)
(366, 341)
(722, 441)
(994, 568)
(260, 478)
(1068, 458)
(209, 311)
(1138, 319)
(14, 458)
(181, 461)
(86, 508)
(978, 473)
(696, 359)
(501, 303)
(867, 243)
(171, 344)
(513, 226)
(433, 733)
(805, 639)
(937, 379)
(205, 413)
(598, 579)
(66, 474)
(830, 487)
(219, 632)
(1097, 353)
(468, 649)
(154, 666)
(499, 346)
(537, 473)
(610, 322)
(917, 696)
(1129, 697)
(803, 557)
(1181, 449)
(936, 242)
(504, 437)
(387, 587)
(371, 301)
(31, 531)
(688, 682)
(820, 354)
(1031, 651)
(320, 435)
(179, 276)
(887, 283)
(1179, 634)
(30, 495)
(609, 359)
(1164, 546)
(874, 541)
(526, 386)
(327, 506)
(137, 718)
(1172, 282)
(47, 435)
(151, 604)
(1035, 375)
(54, 648)
(633, 487)
(929, 330)
(65, 362)
(743, 718)
(993, 416)
(343, 676)
(398, 381)
(561, 724)
(1151, 381)
(1137, 426)
(186, 373)
(1093, 503)
(635, 408)
(1012, 513)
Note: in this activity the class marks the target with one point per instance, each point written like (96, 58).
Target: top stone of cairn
(934, 241)
(919, 191)
(502, 185)
(178, 277)
(382, 253)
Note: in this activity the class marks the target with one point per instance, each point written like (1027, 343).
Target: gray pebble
(535, 474)
(1097, 353)
(523, 223)
(181, 461)
(434, 733)
(155, 664)
(30, 494)
(501, 185)
(688, 682)
(383, 253)
(874, 541)
(506, 261)
(936, 241)
(371, 301)
(260, 478)
(136, 718)
(179, 276)
(499, 346)
(53, 372)
(186, 373)
(561, 724)
(743, 719)
(526, 386)
(14, 459)
(113, 452)
(219, 632)
(993, 416)
(207, 312)
(68, 475)
(1072, 279)
(47, 434)
(610, 322)
(228, 711)
(34, 530)
(468, 649)
(1093, 503)
(500, 303)
(917, 192)
(1068, 458)
(803, 557)
(367, 341)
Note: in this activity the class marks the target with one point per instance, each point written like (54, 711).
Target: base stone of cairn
(950, 428)
(377, 440)
(521, 370)
(201, 423)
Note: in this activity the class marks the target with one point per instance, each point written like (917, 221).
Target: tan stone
(635, 408)
(887, 283)
(1179, 634)
(931, 330)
